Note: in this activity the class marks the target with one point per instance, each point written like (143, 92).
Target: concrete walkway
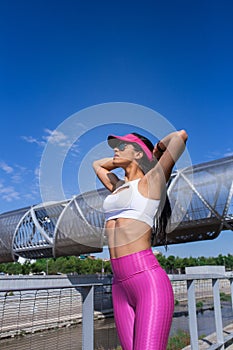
(206, 342)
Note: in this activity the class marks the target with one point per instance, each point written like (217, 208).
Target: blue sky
(61, 57)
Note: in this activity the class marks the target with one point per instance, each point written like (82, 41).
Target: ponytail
(163, 215)
(161, 224)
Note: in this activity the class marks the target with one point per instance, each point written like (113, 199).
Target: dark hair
(163, 215)
(144, 162)
(145, 140)
(161, 223)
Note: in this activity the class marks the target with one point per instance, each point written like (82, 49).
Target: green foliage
(225, 297)
(199, 304)
(174, 264)
(10, 294)
(13, 268)
(178, 341)
(86, 265)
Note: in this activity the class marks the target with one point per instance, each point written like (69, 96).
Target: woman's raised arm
(167, 151)
(102, 168)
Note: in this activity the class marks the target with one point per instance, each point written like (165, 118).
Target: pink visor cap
(113, 140)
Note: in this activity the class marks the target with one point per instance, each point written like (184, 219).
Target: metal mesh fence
(34, 319)
(52, 318)
(204, 306)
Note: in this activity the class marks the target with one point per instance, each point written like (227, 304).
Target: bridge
(201, 201)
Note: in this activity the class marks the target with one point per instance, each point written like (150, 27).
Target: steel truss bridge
(201, 201)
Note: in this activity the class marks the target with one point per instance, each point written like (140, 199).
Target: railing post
(88, 319)
(218, 313)
(231, 283)
(192, 314)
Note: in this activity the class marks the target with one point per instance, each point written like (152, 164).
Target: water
(70, 338)
(65, 338)
(205, 321)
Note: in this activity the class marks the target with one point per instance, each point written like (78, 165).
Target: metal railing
(87, 293)
(219, 341)
(29, 304)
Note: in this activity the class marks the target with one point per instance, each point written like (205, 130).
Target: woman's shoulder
(151, 185)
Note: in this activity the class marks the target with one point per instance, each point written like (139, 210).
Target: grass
(199, 304)
(176, 342)
(225, 297)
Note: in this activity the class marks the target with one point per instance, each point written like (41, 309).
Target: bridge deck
(201, 201)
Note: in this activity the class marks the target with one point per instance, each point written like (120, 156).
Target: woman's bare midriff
(127, 236)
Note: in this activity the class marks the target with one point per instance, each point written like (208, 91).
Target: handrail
(190, 280)
(87, 292)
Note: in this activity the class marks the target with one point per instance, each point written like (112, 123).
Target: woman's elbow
(183, 135)
(95, 164)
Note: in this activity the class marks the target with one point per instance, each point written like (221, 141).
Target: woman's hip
(127, 266)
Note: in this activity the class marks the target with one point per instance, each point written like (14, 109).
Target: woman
(142, 294)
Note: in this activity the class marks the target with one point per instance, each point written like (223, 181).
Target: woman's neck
(133, 173)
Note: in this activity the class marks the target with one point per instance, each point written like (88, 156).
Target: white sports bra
(127, 202)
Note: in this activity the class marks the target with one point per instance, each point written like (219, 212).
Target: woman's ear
(138, 155)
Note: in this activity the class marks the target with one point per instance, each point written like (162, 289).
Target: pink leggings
(143, 301)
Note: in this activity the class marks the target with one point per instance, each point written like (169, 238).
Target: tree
(26, 267)
(74, 264)
(170, 264)
(14, 268)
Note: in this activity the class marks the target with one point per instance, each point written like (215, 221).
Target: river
(70, 338)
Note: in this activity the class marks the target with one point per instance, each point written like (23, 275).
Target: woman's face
(125, 153)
